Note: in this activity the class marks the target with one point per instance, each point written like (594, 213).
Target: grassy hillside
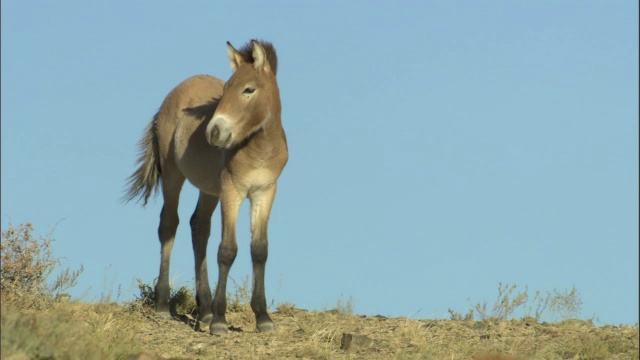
(112, 331)
(40, 323)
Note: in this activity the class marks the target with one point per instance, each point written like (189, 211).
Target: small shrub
(454, 315)
(505, 304)
(146, 298)
(286, 308)
(565, 304)
(181, 300)
(26, 263)
(345, 307)
(536, 307)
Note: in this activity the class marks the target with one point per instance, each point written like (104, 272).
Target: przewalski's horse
(227, 140)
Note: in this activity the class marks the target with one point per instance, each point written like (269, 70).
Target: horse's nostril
(215, 132)
(214, 135)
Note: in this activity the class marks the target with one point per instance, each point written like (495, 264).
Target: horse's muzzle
(219, 132)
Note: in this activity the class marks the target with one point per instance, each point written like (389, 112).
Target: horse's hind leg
(200, 231)
(171, 186)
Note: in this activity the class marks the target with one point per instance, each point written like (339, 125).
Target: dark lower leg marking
(166, 232)
(226, 255)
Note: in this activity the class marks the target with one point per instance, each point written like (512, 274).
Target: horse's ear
(235, 58)
(260, 57)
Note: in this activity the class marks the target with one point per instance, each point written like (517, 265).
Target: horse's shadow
(195, 325)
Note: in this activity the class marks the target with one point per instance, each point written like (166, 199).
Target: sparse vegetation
(454, 315)
(181, 300)
(509, 329)
(38, 322)
(345, 307)
(106, 295)
(239, 300)
(509, 304)
(27, 262)
(286, 308)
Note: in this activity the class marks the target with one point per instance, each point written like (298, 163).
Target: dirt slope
(319, 335)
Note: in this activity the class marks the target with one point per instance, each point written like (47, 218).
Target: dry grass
(101, 331)
(509, 304)
(69, 331)
(72, 330)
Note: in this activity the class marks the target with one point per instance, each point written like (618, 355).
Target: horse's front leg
(230, 200)
(261, 202)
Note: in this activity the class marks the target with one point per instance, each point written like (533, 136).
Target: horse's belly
(198, 161)
(209, 187)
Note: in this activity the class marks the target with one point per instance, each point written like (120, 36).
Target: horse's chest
(254, 172)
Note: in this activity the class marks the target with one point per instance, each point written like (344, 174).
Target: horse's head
(250, 98)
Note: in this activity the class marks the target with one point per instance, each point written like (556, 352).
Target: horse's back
(181, 124)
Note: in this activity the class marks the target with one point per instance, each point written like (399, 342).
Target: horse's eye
(248, 90)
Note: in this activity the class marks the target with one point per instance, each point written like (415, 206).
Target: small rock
(351, 342)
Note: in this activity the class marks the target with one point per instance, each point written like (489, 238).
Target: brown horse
(227, 140)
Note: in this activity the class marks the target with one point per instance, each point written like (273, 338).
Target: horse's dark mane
(247, 53)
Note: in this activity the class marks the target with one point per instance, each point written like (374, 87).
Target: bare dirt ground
(330, 335)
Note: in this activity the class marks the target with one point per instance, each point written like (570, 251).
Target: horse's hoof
(203, 324)
(218, 329)
(266, 327)
(163, 315)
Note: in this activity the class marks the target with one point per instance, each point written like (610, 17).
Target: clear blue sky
(436, 148)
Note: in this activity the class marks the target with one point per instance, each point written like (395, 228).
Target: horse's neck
(269, 138)
(265, 144)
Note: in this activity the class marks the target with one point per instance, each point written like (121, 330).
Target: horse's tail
(146, 179)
